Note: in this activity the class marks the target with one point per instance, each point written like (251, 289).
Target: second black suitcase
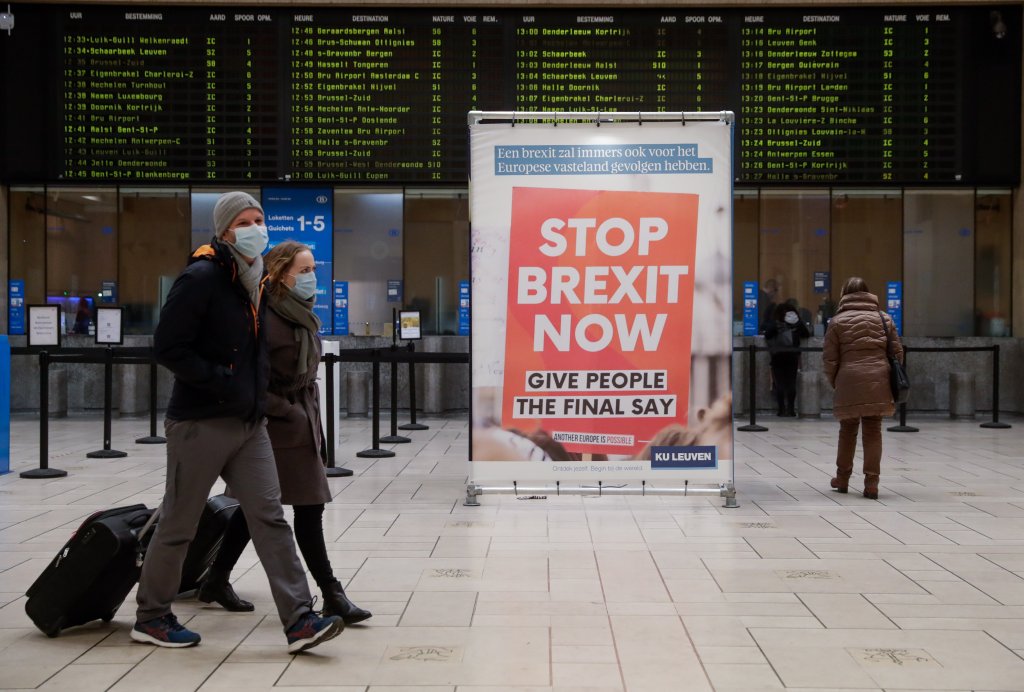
(206, 544)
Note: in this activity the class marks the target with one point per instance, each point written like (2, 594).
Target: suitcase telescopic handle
(140, 549)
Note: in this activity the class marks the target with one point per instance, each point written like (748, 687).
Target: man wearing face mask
(294, 426)
(211, 336)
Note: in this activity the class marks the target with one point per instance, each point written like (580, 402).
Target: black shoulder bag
(899, 383)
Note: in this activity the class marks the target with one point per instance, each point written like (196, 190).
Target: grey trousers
(198, 451)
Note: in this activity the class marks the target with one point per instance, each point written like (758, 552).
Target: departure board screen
(149, 94)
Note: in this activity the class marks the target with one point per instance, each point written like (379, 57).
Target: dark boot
(871, 486)
(217, 588)
(337, 603)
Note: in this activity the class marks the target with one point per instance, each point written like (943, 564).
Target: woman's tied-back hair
(855, 284)
(278, 261)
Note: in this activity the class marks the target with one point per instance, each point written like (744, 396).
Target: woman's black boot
(217, 588)
(337, 603)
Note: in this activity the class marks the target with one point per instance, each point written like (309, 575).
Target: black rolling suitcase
(204, 547)
(94, 571)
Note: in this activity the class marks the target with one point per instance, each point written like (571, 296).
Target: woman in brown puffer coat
(855, 363)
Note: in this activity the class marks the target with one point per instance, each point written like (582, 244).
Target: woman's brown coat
(855, 360)
(293, 418)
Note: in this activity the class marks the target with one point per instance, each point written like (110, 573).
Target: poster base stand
(726, 490)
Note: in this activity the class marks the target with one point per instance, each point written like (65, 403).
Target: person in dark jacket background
(783, 332)
(855, 361)
(294, 426)
(211, 336)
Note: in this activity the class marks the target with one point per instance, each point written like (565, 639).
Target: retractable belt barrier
(751, 350)
(125, 355)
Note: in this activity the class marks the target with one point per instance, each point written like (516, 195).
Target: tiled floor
(798, 588)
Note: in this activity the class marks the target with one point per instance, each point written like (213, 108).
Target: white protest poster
(601, 282)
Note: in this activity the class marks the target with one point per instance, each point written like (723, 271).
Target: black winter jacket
(211, 337)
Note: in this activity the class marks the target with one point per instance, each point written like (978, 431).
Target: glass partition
(81, 253)
(993, 220)
(368, 255)
(794, 249)
(27, 244)
(154, 230)
(938, 261)
(867, 240)
(436, 256)
(744, 249)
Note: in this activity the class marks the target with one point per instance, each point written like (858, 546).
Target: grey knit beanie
(230, 205)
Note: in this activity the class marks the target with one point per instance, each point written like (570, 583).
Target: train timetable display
(150, 94)
(828, 97)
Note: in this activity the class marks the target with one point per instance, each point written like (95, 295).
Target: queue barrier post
(412, 424)
(152, 438)
(108, 405)
(376, 452)
(995, 423)
(752, 426)
(903, 427)
(44, 470)
(332, 471)
(394, 437)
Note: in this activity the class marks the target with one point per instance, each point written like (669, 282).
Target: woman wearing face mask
(293, 423)
(784, 333)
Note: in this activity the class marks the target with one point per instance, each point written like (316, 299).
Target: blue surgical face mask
(251, 241)
(305, 285)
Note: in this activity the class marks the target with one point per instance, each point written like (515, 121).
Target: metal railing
(121, 355)
(752, 349)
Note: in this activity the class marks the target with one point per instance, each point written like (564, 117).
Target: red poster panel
(600, 316)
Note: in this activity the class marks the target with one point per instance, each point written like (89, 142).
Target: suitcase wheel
(55, 629)
(109, 616)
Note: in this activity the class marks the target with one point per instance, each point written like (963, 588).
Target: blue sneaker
(311, 629)
(165, 631)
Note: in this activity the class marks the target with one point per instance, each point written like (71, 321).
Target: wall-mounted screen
(145, 93)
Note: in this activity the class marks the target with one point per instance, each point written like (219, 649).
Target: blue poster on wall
(463, 308)
(394, 290)
(305, 214)
(341, 307)
(894, 304)
(750, 311)
(822, 282)
(16, 306)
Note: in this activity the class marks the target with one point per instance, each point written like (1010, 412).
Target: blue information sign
(341, 307)
(108, 292)
(750, 310)
(394, 290)
(305, 214)
(16, 306)
(894, 304)
(463, 308)
(822, 282)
